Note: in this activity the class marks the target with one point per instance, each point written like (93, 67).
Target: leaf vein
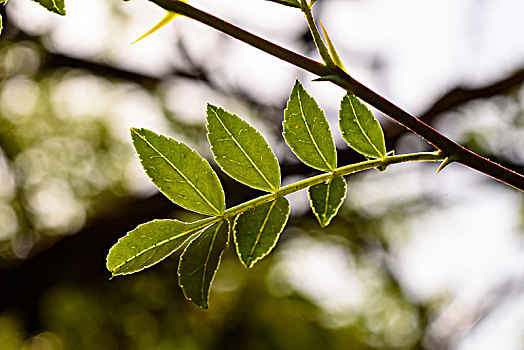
(179, 172)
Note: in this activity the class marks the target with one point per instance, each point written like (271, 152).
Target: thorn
(168, 18)
(331, 77)
(444, 163)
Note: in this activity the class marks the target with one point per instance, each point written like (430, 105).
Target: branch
(339, 77)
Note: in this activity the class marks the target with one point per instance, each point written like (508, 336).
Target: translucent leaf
(179, 172)
(1, 25)
(56, 6)
(199, 262)
(292, 3)
(360, 129)
(256, 231)
(241, 151)
(307, 132)
(326, 198)
(148, 244)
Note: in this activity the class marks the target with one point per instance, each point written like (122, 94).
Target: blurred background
(414, 260)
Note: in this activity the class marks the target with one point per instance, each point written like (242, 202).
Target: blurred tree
(72, 187)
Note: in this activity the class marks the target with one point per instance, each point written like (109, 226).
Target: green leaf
(360, 129)
(199, 262)
(179, 172)
(307, 132)
(292, 3)
(1, 25)
(241, 151)
(326, 198)
(256, 231)
(148, 244)
(56, 6)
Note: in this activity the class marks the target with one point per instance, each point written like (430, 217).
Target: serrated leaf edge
(205, 305)
(218, 211)
(204, 224)
(250, 264)
(360, 126)
(302, 114)
(317, 215)
(271, 186)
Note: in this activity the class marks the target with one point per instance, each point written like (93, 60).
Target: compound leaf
(179, 172)
(56, 6)
(307, 132)
(360, 129)
(291, 3)
(241, 151)
(199, 262)
(148, 244)
(256, 231)
(326, 198)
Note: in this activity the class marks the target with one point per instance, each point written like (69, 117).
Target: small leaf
(241, 151)
(256, 231)
(1, 25)
(360, 129)
(179, 172)
(292, 3)
(148, 244)
(56, 6)
(307, 132)
(199, 262)
(326, 198)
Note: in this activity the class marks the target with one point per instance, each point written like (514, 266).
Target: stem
(342, 79)
(322, 49)
(342, 171)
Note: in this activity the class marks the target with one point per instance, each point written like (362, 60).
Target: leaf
(307, 132)
(241, 151)
(179, 172)
(199, 262)
(148, 244)
(292, 3)
(56, 6)
(360, 129)
(326, 198)
(256, 231)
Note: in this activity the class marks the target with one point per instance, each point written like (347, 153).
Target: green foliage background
(55, 291)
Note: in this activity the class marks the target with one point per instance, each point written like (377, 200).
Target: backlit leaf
(256, 231)
(56, 6)
(179, 172)
(292, 3)
(360, 129)
(241, 151)
(326, 198)
(307, 132)
(148, 244)
(199, 262)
